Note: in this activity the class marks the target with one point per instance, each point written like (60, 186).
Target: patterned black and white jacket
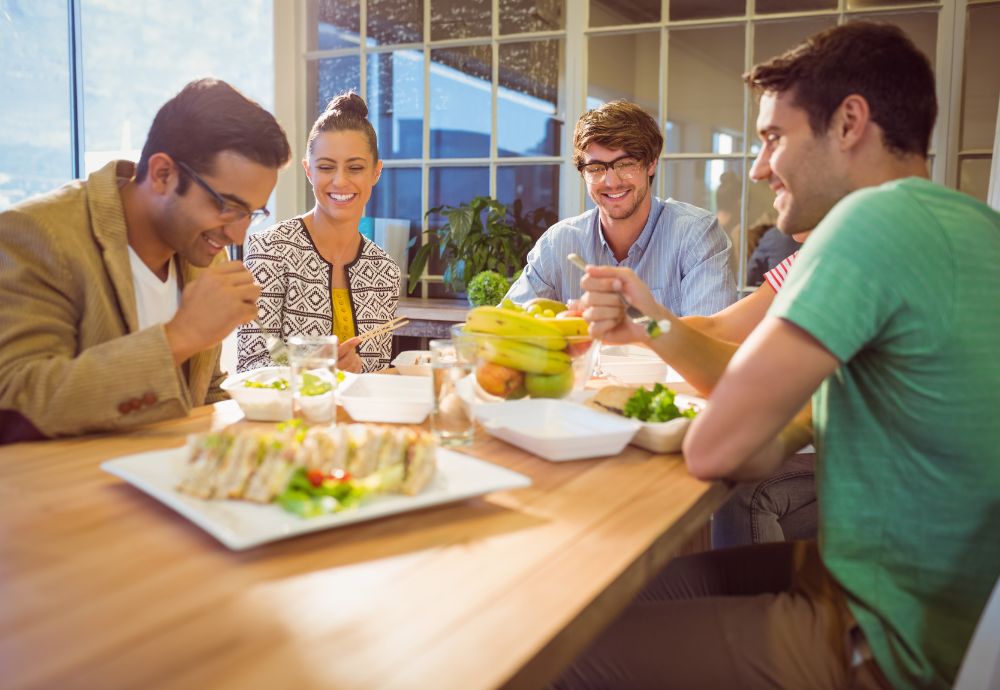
(296, 297)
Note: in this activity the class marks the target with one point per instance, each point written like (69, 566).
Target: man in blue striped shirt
(680, 251)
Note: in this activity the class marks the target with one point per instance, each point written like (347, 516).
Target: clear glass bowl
(512, 367)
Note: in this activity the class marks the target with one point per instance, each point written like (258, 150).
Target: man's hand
(602, 307)
(348, 358)
(222, 297)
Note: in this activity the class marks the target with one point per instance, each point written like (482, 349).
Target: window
(481, 97)
(105, 75)
(466, 98)
(35, 150)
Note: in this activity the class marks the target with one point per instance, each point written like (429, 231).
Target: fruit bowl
(523, 357)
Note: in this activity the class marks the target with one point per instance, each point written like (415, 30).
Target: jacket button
(149, 398)
(124, 407)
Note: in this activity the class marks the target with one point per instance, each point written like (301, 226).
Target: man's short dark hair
(621, 125)
(874, 60)
(207, 117)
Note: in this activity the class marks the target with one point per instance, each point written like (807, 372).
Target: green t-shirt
(902, 284)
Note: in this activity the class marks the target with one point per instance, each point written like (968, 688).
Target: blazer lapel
(108, 223)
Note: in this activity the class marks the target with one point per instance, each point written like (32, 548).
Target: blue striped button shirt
(682, 254)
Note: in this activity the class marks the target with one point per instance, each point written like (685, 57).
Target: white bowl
(413, 363)
(557, 430)
(261, 404)
(387, 398)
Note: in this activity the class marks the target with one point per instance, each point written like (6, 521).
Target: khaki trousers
(764, 616)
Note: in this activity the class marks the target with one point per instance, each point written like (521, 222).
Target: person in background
(116, 290)
(319, 275)
(679, 250)
(773, 247)
(889, 318)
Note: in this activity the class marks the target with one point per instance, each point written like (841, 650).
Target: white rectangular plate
(241, 524)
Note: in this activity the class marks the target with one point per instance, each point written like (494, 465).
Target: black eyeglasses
(227, 210)
(625, 167)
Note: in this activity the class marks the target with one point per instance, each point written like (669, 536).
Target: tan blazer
(72, 359)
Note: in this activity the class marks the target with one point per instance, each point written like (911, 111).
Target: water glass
(451, 419)
(313, 359)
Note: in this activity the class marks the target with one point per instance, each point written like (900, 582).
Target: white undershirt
(156, 300)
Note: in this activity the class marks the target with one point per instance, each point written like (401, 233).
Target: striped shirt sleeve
(776, 276)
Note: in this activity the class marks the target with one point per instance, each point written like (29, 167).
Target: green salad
(311, 384)
(656, 405)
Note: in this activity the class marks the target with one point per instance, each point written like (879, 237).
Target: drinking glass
(452, 361)
(313, 359)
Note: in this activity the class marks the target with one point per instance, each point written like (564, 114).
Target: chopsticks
(387, 327)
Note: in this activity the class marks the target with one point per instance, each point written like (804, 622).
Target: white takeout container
(662, 437)
(387, 398)
(413, 363)
(635, 364)
(557, 430)
(261, 404)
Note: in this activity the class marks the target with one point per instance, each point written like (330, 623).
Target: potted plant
(481, 235)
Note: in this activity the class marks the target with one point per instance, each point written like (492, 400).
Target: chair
(980, 668)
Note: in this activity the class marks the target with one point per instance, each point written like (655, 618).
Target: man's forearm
(697, 356)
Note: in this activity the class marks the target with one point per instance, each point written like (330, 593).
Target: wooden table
(430, 318)
(103, 587)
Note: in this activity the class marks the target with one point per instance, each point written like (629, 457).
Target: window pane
(636, 56)
(528, 99)
(982, 87)
(35, 152)
(397, 195)
(765, 6)
(338, 24)
(974, 177)
(705, 91)
(774, 38)
(537, 188)
(452, 186)
(921, 27)
(395, 21)
(714, 185)
(699, 9)
(614, 12)
(396, 102)
(861, 4)
(522, 16)
(461, 96)
(460, 18)
(329, 77)
(123, 89)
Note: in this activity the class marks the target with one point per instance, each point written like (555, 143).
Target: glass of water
(452, 364)
(314, 377)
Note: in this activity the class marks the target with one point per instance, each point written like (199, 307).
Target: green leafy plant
(481, 235)
(487, 288)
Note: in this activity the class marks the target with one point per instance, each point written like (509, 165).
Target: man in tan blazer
(116, 291)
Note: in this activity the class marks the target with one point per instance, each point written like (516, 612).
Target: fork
(276, 347)
(653, 327)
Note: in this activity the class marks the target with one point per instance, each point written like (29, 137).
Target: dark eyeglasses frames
(227, 209)
(625, 167)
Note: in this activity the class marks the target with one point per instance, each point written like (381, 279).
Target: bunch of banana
(535, 354)
(517, 326)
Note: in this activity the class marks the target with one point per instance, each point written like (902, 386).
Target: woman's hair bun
(348, 103)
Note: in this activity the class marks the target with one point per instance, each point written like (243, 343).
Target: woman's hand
(348, 358)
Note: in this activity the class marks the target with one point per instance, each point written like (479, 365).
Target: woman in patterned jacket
(318, 273)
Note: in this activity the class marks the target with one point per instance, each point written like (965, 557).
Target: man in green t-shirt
(889, 315)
